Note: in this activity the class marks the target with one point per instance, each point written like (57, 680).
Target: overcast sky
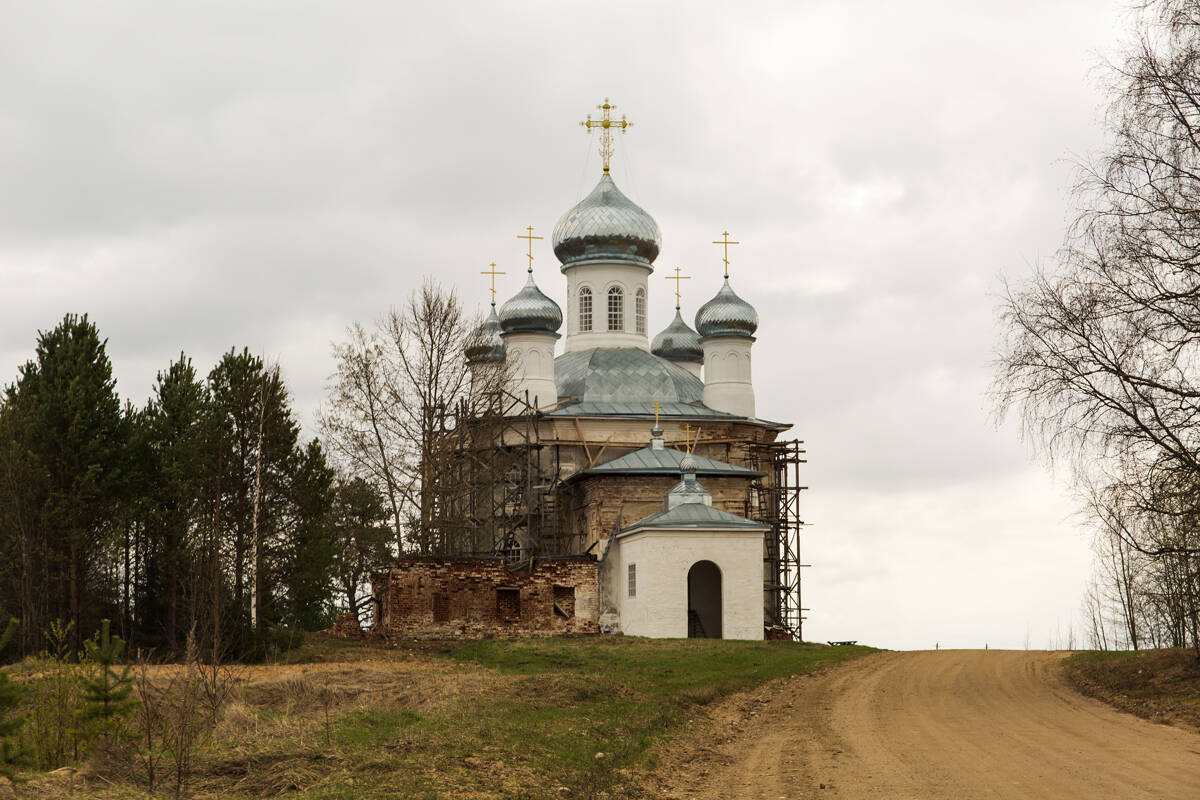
(220, 175)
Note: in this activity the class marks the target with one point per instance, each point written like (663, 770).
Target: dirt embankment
(948, 724)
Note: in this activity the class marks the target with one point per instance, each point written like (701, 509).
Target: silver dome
(530, 310)
(486, 344)
(626, 375)
(606, 226)
(678, 342)
(726, 315)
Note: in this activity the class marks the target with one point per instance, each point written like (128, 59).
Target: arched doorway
(704, 601)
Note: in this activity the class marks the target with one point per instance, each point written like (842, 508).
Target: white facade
(727, 380)
(601, 279)
(530, 358)
(662, 559)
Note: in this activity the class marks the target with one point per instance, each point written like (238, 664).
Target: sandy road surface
(949, 724)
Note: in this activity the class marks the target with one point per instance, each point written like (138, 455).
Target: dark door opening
(704, 601)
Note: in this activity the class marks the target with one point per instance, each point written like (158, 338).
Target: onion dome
(678, 342)
(530, 310)
(487, 345)
(726, 315)
(606, 226)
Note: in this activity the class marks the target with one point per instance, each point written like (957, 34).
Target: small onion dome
(726, 315)
(678, 342)
(687, 464)
(606, 226)
(486, 345)
(530, 310)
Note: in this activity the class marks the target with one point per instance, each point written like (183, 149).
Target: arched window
(585, 309)
(616, 309)
(639, 310)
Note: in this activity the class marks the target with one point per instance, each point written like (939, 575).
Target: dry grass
(450, 720)
(1159, 685)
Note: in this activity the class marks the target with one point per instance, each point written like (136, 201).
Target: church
(600, 480)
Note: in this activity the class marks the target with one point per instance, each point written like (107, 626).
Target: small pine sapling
(107, 694)
(10, 723)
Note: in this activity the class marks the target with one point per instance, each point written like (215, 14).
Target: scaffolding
(498, 484)
(774, 500)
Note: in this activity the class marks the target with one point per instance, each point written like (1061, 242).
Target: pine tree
(10, 696)
(107, 694)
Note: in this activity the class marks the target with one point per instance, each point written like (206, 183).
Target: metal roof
(626, 375)
(606, 226)
(696, 515)
(649, 461)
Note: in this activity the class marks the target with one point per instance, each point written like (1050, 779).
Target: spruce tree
(107, 694)
(10, 723)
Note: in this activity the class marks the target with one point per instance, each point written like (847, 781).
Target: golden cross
(493, 273)
(677, 278)
(656, 408)
(530, 237)
(687, 437)
(606, 124)
(726, 242)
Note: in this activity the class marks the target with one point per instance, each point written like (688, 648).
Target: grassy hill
(532, 719)
(1159, 685)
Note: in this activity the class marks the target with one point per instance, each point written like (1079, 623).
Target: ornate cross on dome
(530, 237)
(726, 243)
(677, 278)
(606, 124)
(493, 273)
(657, 406)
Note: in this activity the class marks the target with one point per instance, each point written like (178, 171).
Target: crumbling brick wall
(477, 597)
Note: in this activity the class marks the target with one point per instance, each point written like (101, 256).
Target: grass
(1159, 685)
(532, 719)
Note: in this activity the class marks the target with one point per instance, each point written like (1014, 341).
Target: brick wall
(480, 597)
(596, 502)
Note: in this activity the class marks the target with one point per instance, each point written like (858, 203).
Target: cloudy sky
(220, 175)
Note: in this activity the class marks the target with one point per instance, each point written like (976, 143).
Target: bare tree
(393, 400)
(1101, 354)
(357, 423)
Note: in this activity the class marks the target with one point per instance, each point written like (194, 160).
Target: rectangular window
(633, 580)
(564, 601)
(616, 309)
(585, 309)
(640, 311)
(508, 603)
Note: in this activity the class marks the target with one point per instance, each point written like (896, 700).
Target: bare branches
(393, 398)
(1101, 352)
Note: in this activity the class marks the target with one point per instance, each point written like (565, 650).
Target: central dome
(606, 226)
(627, 375)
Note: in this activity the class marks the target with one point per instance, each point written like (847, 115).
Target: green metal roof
(648, 461)
(696, 515)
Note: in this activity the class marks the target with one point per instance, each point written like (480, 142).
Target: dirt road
(949, 724)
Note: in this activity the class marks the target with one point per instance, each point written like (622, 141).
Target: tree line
(201, 512)
(1101, 354)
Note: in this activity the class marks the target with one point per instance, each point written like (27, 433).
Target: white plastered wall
(600, 278)
(531, 360)
(728, 385)
(663, 558)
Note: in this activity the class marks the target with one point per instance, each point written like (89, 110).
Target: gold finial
(677, 278)
(606, 124)
(530, 237)
(687, 438)
(656, 408)
(726, 243)
(493, 273)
